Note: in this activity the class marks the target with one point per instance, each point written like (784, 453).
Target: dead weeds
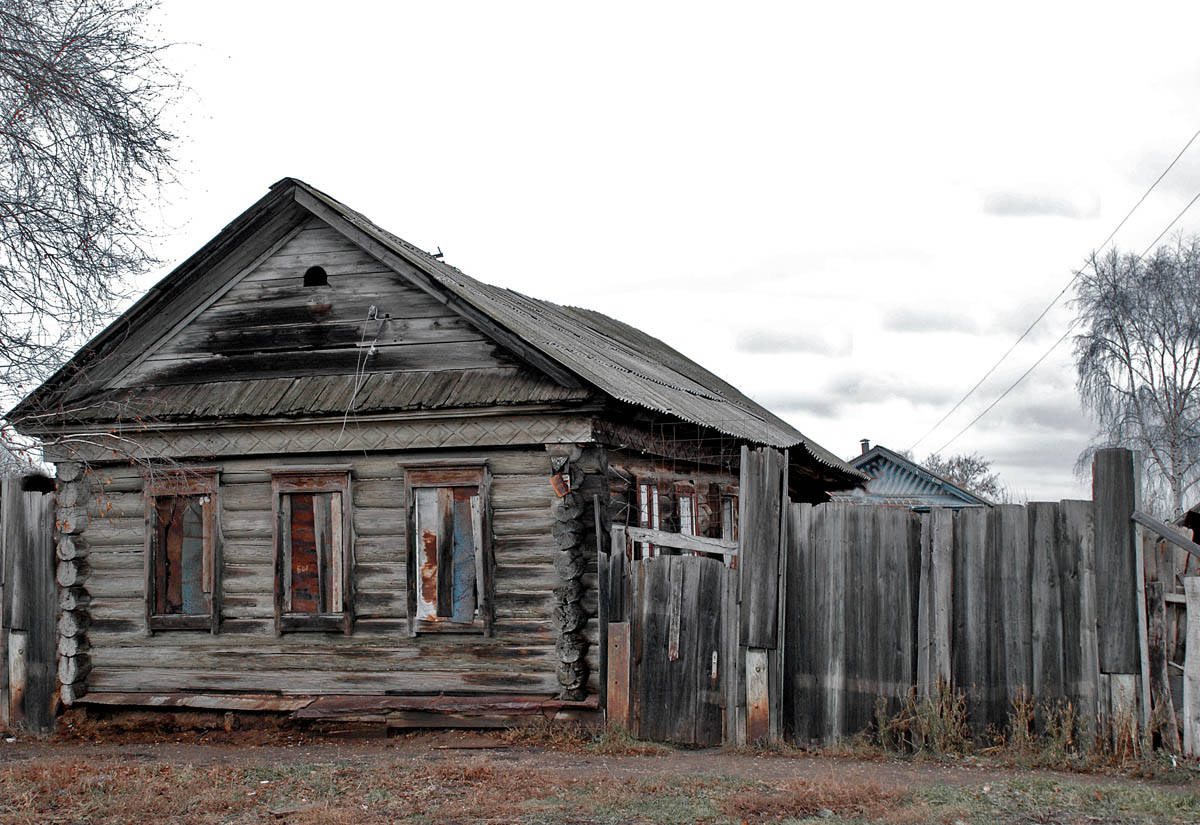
(67, 787)
(804, 798)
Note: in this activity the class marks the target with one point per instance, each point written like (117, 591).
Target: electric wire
(1063, 291)
(1070, 329)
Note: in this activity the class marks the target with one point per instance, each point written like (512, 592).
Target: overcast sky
(850, 211)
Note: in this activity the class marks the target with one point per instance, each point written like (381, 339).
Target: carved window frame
(289, 481)
(186, 482)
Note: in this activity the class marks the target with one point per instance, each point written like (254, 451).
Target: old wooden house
(316, 469)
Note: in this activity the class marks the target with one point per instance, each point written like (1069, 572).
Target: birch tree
(1137, 354)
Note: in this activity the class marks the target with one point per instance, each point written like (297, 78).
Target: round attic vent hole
(316, 276)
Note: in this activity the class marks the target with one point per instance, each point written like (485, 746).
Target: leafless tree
(972, 472)
(82, 94)
(1138, 360)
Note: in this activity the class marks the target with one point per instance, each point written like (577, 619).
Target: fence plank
(1012, 595)
(833, 551)
(935, 599)
(1115, 493)
(860, 562)
(617, 697)
(710, 668)
(1162, 707)
(27, 526)
(972, 633)
(1046, 601)
(760, 494)
(1081, 665)
(757, 704)
(801, 694)
(1191, 669)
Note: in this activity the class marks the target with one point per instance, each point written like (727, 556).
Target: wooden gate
(666, 665)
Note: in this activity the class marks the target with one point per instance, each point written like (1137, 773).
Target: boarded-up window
(449, 557)
(313, 549)
(312, 553)
(182, 570)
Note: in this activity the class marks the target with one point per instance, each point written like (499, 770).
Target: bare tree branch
(82, 146)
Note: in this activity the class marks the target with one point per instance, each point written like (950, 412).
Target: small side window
(182, 551)
(313, 550)
(449, 558)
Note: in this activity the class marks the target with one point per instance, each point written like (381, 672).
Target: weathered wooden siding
(316, 330)
(379, 656)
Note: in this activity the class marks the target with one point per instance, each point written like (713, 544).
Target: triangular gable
(895, 477)
(235, 317)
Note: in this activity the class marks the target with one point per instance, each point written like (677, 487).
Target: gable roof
(566, 343)
(899, 481)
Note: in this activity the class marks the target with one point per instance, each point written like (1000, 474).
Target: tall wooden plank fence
(882, 601)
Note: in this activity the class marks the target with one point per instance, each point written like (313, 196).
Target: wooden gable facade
(315, 463)
(897, 481)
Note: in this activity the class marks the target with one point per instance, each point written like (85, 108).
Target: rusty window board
(449, 555)
(181, 553)
(314, 549)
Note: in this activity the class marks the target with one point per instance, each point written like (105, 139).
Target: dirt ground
(453, 776)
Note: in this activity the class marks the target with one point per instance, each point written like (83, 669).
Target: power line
(1011, 387)
(1063, 291)
(1070, 328)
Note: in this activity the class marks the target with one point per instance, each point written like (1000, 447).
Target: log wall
(379, 656)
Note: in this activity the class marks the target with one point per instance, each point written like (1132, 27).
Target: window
(685, 497)
(449, 560)
(182, 550)
(649, 514)
(698, 506)
(316, 276)
(313, 549)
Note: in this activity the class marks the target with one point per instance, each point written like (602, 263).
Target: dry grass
(521, 789)
(804, 798)
(613, 740)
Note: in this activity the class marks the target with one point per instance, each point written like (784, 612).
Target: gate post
(762, 530)
(1119, 581)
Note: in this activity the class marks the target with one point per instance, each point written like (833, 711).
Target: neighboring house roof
(898, 481)
(577, 348)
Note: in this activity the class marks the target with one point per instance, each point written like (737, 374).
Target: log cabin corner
(318, 470)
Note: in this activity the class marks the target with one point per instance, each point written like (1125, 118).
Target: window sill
(319, 622)
(177, 622)
(426, 626)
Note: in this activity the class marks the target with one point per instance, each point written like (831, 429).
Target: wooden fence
(831, 608)
(28, 603)
(999, 602)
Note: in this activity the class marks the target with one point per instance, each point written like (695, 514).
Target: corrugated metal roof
(624, 362)
(312, 395)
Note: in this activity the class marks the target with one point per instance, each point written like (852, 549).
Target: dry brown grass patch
(805, 798)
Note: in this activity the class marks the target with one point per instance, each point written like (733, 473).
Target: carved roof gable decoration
(252, 327)
(900, 482)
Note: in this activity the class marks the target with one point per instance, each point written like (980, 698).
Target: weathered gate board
(28, 605)
(676, 629)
